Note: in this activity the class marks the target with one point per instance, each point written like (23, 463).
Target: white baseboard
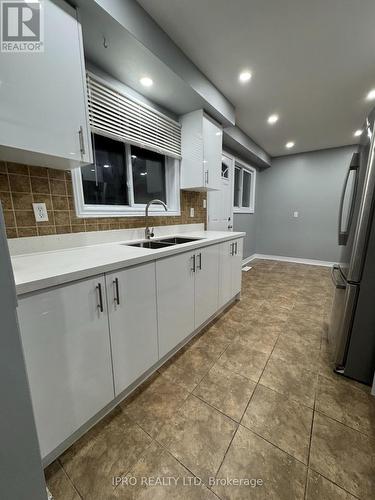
(297, 260)
(246, 260)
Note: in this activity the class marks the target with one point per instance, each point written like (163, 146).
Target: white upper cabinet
(201, 149)
(131, 295)
(43, 112)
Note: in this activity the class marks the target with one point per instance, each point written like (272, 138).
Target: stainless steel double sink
(161, 243)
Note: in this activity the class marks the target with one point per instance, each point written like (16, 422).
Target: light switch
(192, 212)
(296, 214)
(40, 212)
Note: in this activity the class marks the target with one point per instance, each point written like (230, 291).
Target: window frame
(172, 187)
(242, 166)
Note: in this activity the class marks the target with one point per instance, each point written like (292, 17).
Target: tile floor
(253, 397)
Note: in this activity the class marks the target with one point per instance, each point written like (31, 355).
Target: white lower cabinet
(66, 345)
(87, 341)
(230, 270)
(175, 299)
(131, 295)
(206, 283)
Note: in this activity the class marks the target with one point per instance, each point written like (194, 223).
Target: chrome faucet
(149, 233)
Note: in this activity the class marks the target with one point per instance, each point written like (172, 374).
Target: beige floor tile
(155, 403)
(347, 404)
(302, 319)
(228, 327)
(291, 349)
(285, 423)
(310, 335)
(211, 339)
(158, 463)
(225, 390)
(91, 464)
(319, 488)
(344, 456)
(59, 484)
(189, 366)
(259, 340)
(251, 457)
(244, 360)
(293, 380)
(198, 436)
(245, 310)
(327, 370)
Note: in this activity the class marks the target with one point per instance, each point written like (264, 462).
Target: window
(148, 175)
(105, 182)
(123, 179)
(224, 170)
(244, 188)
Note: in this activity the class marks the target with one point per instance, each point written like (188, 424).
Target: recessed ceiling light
(106, 166)
(358, 132)
(272, 119)
(146, 81)
(371, 95)
(244, 76)
(289, 144)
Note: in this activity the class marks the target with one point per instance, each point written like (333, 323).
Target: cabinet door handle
(117, 296)
(193, 259)
(100, 305)
(206, 176)
(231, 249)
(199, 266)
(81, 141)
(236, 248)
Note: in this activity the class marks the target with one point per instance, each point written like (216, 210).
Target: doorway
(220, 202)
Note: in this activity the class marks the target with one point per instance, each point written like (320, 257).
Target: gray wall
(311, 184)
(246, 223)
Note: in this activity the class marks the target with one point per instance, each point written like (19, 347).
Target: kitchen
(178, 300)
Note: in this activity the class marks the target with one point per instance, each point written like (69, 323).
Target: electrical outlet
(40, 212)
(204, 203)
(296, 214)
(192, 212)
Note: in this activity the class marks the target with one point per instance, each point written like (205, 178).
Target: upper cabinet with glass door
(43, 115)
(201, 147)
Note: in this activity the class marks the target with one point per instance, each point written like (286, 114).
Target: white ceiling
(313, 62)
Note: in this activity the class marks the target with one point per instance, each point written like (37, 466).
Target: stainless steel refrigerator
(352, 326)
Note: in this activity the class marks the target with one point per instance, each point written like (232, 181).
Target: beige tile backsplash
(22, 185)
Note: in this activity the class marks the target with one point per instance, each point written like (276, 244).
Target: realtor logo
(21, 26)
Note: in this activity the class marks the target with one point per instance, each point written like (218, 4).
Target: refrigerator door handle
(354, 166)
(337, 284)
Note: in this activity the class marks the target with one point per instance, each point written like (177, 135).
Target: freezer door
(356, 206)
(342, 316)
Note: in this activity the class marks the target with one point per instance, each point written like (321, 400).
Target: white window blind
(113, 114)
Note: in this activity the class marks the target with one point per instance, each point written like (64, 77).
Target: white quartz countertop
(37, 271)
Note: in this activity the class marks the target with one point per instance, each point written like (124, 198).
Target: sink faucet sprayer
(149, 233)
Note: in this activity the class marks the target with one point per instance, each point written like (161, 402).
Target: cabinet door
(237, 266)
(225, 273)
(206, 283)
(175, 300)
(212, 149)
(43, 97)
(131, 297)
(66, 344)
